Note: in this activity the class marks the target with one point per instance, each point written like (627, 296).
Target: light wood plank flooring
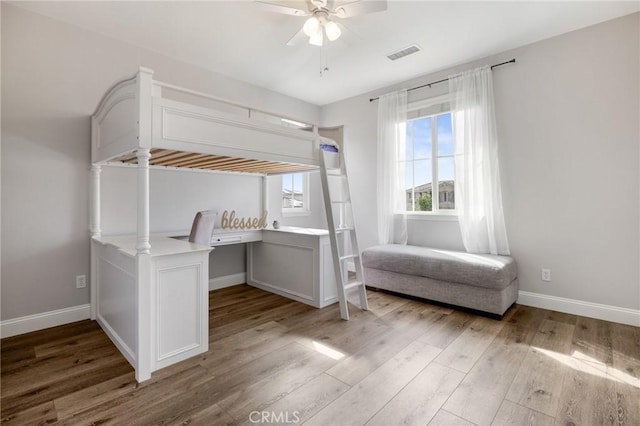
(275, 361)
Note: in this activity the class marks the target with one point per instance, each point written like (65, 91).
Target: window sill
(436, 217)
(296, 213)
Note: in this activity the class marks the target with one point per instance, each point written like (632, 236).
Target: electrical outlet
(81, 281)
(546, 275)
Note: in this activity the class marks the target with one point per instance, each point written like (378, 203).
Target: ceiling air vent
(404, 52)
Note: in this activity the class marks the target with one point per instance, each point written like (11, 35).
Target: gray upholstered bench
(481, 282)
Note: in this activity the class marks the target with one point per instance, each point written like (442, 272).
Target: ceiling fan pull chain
(324, 62)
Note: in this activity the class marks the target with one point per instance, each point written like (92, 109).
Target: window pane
(297, 182)
(298, 191)
(422, 185)
(422, 138)
(293, 191)
(287, 187)
(446, 169)
(446, 188)
(408, 173)
(287, 182)
(420, 164)
(445, 136)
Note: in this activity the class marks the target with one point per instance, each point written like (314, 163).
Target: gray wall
(174, 197)
(53, 76)
(568, 122)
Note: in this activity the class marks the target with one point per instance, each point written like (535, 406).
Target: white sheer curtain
(392, 117)
(477, 184)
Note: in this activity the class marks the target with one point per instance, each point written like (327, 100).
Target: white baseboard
(578, 307)
(29, 323)
(227, 281)
(36, 322)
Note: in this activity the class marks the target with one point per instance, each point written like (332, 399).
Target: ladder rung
(336, 173)
(353, 285)
(349, 256)
(341, 201)
(344, 229)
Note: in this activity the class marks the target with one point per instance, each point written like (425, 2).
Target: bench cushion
(481, 270)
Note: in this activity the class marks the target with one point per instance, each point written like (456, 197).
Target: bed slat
(190, 160)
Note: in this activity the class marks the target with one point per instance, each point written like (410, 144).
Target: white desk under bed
(294, 263)
(149, 294)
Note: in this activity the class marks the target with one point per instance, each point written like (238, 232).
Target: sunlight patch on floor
(326, 350)
(581, 362)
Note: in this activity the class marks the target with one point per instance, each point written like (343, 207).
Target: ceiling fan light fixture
(311, 26)
(333, 30)
(317, 38)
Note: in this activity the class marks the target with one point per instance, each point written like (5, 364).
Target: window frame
(306, 206)
(436, 213)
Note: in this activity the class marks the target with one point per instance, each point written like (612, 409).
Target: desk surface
(297, 230)
(220, 237)
(160, 246)
(168, 243)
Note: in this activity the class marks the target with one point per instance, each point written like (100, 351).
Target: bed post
(143, 260)
(96, 231)
(143, 247)
(264, 187)
(144, 84)
(142, 242)
(95, 224)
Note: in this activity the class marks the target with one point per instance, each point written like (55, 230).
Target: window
(295, 193)
(429, 163)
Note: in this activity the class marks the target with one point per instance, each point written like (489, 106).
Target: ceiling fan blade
(331, 4)
(298, 38)
(284, 7)
(359, 7)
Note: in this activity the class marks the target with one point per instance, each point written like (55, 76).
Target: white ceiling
(239, 39)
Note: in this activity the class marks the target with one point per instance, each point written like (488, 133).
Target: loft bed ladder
(344, 242)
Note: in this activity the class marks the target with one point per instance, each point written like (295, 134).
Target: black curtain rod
(513, 61)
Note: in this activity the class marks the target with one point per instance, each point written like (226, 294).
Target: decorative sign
(230, 221)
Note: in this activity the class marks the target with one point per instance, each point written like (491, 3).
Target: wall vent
(404, 52)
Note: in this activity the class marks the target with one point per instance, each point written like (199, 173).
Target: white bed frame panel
(114, 125)
(178, 285)
(116, 310)
(138, 298)
(190, 128)
(120, 127)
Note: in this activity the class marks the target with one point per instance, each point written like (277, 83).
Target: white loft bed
(150, 293)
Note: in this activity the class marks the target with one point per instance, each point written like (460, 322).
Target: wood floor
(275, 361)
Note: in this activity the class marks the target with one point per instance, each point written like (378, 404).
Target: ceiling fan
(320, 24)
